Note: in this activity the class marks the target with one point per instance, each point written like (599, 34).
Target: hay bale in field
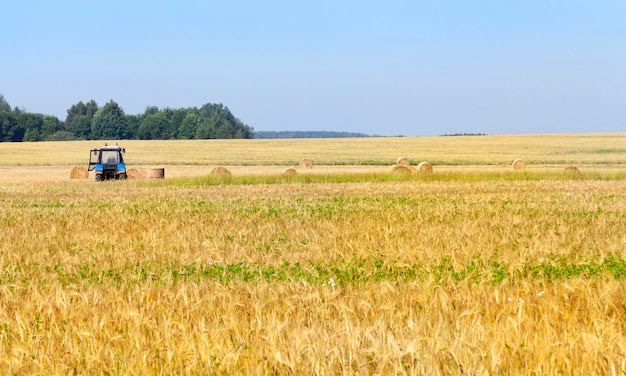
(306, 163)
(79, 172)
(424, 168)
(401, 169)
(221, 171)
(135, 173)
(571, 170)
(154, 173)
(403, 161)
(290, 171)
(519, 164)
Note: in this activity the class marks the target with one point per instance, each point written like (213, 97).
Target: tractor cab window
(110, 157)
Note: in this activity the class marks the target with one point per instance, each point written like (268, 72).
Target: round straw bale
(519, 164)
(154, 173)
(221, 171)
(571, 170)
(403, 161)
(79, 172)
(290, 171)
(425, 167)
(135, 173)
(306, 163)
(401, 169)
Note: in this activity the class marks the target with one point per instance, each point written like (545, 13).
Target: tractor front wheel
(99, 177)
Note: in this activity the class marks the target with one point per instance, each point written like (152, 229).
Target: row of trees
(90, 122)
(307, 134)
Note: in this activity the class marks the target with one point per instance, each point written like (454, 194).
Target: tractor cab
(108, 163)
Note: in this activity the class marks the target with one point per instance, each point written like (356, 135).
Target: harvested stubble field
(463, 271)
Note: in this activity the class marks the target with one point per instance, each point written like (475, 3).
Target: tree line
(89, 121)
(307, 134)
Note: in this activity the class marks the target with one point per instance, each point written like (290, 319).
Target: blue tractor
(108, 163)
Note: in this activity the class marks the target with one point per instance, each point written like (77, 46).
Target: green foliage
(4, 105)
(387, 177)
(10, 127)
(174, 120)
(62, 136)
(88, 121)
(219, 122)
(88, 109)
(339, 273)
(611, 151)
(79, 117)
(38, 127)
(306, 134)
(109, 122)
(153, 127)
(80, 126)
(465, 134)
(32, 126)
(188, 125)
(50, 126)
(134, 122)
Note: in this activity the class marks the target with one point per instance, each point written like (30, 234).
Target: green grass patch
(354, 272)
(610, 151)
(392, 177)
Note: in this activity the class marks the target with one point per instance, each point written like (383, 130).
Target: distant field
(606, 149)
(343, 269)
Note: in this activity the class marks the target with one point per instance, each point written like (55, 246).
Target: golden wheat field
(344, 268)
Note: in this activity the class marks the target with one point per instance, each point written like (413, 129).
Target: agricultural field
(345, 268)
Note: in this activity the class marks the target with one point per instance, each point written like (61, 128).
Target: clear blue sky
(377, 67)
